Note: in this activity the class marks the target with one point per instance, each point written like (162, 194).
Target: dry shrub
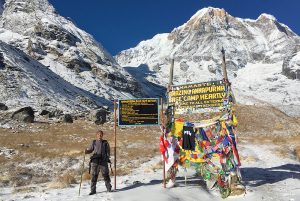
(279, 140)
(56, 185)
(281, 152)
(278, 126)
(21, 176)
(86, 176)
(248, 159)
(67, 178)
(63, 181)
(255, 140)
(3, 160)
(154, 167)
(123, 171)
(239, 190)
(4, 177)
(297, 152)
(4, 180)
(73, 153)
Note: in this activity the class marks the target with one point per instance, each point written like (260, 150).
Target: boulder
(2, 64)
(3, 107)
(98, 116)
(44, 112)
(25, 114)
(67, 118)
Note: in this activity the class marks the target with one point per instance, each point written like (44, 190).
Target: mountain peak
(266, 16)
(27, 6)
(206, 17)
(209, 11)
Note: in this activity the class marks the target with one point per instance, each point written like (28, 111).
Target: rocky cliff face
(34, 27)
(291, 66)
(26, 82)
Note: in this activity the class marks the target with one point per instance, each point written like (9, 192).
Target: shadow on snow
(254, 177)
(140, 73)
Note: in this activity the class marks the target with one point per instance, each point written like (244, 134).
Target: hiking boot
(108, 187)
(92, 193)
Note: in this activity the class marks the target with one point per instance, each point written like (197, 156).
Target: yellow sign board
(197, 96)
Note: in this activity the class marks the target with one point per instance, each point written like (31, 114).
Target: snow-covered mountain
(262, 44)
(24, 81)
(54, 42)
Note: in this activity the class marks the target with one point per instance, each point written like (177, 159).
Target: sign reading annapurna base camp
(197, 96)
(135, 112)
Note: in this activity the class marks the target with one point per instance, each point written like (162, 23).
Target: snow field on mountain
(264, 83)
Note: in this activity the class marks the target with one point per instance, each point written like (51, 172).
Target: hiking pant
(95, 169)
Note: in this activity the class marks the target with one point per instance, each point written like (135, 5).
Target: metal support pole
(115, 148)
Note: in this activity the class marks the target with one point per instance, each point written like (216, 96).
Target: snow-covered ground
(265, 175)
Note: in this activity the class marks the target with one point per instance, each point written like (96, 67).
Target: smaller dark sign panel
(138, 112)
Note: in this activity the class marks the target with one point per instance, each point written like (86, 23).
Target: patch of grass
(57, 141)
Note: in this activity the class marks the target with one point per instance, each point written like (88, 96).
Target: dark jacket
(100, 150)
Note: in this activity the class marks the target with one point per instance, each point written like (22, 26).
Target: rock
(98, 116)
(44, 112)
(25, 114)
(183, 66)
(291, 66)
(55, 113)
(67, 118)
(3, 107)
(2, 64)
(212, 68)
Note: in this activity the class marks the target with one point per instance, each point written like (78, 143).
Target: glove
(86, 151)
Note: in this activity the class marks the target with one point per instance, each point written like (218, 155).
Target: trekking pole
(82, 171)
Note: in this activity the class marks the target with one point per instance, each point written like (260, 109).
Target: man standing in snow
(99, 161)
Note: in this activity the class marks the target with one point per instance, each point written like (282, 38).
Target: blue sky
(121, 24)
